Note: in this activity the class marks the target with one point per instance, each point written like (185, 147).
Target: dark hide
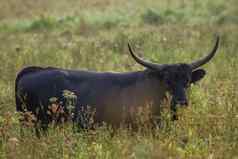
(110, 94)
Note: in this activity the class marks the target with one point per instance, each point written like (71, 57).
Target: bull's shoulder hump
(32, 69)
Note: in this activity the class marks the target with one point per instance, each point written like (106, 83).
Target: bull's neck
(143, 88)
(150, 82)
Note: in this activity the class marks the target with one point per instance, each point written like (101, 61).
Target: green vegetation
(93, 35)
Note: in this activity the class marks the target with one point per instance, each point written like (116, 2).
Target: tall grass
(93, 35)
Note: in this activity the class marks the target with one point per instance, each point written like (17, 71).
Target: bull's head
(177, 77)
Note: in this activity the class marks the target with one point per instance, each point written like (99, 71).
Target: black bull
(108, 93)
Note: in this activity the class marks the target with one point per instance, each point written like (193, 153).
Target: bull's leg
(173, 110)
(78, 122)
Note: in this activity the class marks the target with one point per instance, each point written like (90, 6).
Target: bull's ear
(197, 75)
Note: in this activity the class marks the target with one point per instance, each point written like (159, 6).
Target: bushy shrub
(152, 16)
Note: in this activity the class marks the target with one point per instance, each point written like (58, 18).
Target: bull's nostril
(182, 102)
(185, 103)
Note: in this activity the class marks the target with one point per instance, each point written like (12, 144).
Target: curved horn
(144, 62)
(207, 58)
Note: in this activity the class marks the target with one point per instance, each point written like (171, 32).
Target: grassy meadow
(93, 35)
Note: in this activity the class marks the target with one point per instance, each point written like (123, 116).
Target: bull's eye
(186, 84)
(169, 83)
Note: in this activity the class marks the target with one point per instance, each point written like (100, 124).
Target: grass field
(93, 35)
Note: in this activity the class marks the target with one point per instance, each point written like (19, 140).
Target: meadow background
(93, 35)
